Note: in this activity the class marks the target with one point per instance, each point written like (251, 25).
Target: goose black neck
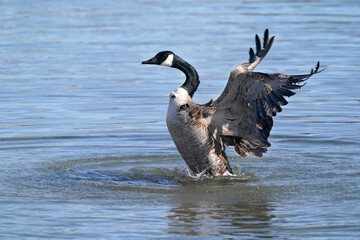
(192, 78)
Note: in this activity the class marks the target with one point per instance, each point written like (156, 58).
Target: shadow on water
(221, 207)
(238, 219)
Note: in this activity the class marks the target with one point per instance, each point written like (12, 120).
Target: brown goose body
(241, 117)
(188, 124)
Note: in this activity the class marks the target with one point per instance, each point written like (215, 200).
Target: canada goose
(241, 117)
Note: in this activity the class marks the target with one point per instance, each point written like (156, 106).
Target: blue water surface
(85, 152)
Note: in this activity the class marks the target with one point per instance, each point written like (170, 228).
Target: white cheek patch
(169, 61)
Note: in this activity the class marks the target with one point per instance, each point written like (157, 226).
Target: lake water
(85, 152)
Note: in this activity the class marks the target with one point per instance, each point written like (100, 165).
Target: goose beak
(150, 61)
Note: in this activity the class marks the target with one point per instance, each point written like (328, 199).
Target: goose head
(170, 59)
(164, 58)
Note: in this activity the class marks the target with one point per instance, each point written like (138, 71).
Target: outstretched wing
(245, 110)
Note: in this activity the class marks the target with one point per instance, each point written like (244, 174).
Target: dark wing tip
(266, 38)
(271, 42)
(316, 70)
(251, 55)
(261, 51)
(258, 45)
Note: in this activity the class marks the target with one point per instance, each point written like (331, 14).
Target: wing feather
(256, 58)
(245, 110)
